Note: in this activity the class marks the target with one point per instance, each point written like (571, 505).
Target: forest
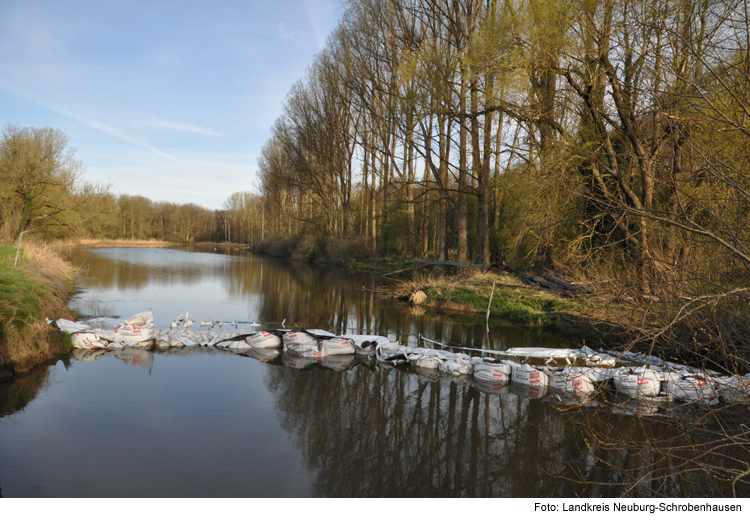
(604, 139)
(43, 192)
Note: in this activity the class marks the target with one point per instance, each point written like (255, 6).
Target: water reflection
(252, 288)
(388, 432)
(16, 394)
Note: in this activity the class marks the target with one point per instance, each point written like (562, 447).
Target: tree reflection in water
(272, 290)
(385, 432)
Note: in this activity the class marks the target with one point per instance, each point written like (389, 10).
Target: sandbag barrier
(645, 382)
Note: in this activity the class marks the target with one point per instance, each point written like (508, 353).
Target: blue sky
(170, 100)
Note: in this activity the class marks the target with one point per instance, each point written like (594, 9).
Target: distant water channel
(200, 422)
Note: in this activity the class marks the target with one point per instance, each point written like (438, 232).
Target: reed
(115, 242)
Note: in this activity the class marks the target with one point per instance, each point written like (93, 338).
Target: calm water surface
(203, 422)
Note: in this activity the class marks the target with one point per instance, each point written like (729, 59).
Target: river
(200, 422)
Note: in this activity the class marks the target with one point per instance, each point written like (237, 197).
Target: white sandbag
(162, 342)
(642, 358)
(336, 346)
(733, 389)
(425, 358)
(572, 382)
(179, 341)
(302, 348)
(425, 362)
(393, 353)
(596, 374)
(638, 382)
(142, 319)
(234, 345)
(366, 343)
(528, 375)
(594, 358)
(87, 340)
(132, 333)
(137, 328)
(689, 388)
(69, 326)
(455, 368)
(290, 337)
(264, 340)
(542, 352)
(493, 372)
(314, 353)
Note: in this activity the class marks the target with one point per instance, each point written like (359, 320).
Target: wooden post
(489, 304)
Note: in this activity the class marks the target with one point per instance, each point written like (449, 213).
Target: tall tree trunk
(443, 174)
(463, 208)
(409, 169)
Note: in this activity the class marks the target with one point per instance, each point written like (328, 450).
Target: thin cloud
(104, 128)
(179, 126)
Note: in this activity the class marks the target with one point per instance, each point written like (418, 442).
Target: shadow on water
(17, 393)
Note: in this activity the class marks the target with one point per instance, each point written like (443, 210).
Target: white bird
(188, 321)
(208, 323)
(176, 323)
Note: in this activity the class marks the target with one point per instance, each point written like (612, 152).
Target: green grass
(20, 295)
(464, 296)
(373, 265)
(29, 292)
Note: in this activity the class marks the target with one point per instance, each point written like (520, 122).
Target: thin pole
(489, 304)
(487, 317)
(19, 248)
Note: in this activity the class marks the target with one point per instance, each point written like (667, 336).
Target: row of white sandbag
(683, 385)
(680, 383)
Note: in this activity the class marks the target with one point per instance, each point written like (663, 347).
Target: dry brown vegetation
(38, 288)
(113, 242)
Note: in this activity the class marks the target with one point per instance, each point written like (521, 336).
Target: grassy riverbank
(464, 294)
(37, 288)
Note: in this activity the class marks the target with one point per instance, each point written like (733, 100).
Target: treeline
(137, 217)
(42, 192)
(539, 130)
(598, 136)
